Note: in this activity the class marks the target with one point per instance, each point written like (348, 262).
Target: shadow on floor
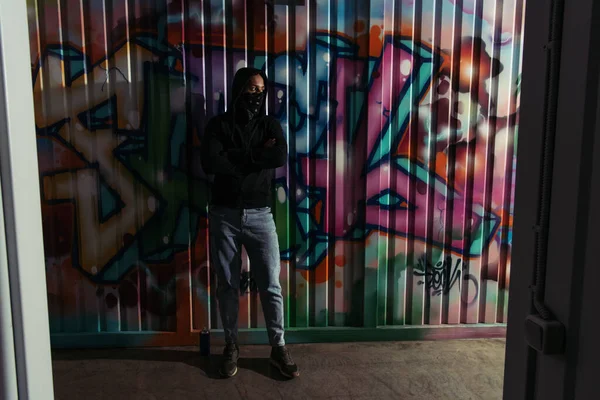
(209, 365)
(440, 370)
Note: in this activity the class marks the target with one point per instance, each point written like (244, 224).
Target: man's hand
(269, 143)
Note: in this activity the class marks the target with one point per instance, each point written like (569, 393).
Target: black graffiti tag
(442, 276)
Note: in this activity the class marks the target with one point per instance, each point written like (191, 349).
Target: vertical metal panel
(395, 207)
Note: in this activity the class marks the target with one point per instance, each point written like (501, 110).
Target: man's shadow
(209, 365)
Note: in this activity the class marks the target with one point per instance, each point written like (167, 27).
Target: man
(242, 148)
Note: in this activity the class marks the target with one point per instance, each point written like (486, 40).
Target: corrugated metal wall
(395, 208)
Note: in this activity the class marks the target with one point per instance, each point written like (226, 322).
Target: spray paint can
(205, 342)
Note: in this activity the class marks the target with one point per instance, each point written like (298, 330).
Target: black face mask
(251, 102)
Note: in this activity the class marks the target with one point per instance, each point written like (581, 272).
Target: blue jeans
(255, 230)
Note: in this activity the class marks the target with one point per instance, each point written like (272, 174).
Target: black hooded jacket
(232, 149)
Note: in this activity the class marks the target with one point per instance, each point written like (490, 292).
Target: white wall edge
(8, 370)
(22, 208)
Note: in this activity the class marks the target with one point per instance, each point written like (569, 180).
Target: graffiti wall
(395, 207)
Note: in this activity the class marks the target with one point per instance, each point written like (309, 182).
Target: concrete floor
(457, 370)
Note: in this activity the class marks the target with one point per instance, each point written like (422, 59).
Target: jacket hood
(241, 78)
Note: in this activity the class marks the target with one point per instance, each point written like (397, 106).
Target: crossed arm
(215, 160)
(273, 153)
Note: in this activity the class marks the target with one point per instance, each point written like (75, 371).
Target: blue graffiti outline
(316, 237)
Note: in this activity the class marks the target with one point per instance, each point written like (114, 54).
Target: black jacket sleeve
(271, 157)
(214, 159)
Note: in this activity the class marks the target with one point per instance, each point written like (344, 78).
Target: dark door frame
(572, 270)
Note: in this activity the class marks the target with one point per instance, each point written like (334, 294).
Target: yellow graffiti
(97, 241)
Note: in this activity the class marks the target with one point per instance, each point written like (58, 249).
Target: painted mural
(395, 207)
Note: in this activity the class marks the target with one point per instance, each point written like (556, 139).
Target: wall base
(293, 336)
